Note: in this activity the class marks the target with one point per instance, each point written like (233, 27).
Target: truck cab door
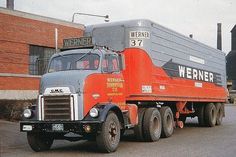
(114, 79)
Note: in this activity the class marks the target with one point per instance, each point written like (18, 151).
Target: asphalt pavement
(191, 141)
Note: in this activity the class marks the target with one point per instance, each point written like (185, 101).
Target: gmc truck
(126, 75)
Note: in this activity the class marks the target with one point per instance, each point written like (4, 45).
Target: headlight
(27, 113)
(93, 112)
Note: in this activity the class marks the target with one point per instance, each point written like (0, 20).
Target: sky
(197, 17)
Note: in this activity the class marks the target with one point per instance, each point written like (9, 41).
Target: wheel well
(119, 114)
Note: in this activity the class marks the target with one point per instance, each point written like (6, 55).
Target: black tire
(152, 125)
(201, 115)
(210, 115)
(138, 129)
(39, 142)
(167, 121)
(220, 113)
(109, 138)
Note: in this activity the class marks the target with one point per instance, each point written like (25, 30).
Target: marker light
(96, 96)
(27, 113)
(93, 112)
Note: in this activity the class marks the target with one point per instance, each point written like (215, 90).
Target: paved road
(192, 140)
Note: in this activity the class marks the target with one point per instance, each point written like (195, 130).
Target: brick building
(26, 43)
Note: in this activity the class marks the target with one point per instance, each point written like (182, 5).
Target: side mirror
(121, 58)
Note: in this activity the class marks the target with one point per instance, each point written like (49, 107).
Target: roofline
(88, 28)
(234, 28)
(40, 18)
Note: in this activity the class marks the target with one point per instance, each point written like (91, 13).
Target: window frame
(51, 60)
(38, 59)
(107, 71)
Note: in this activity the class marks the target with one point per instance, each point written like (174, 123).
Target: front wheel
(109, 138)
(39, 141)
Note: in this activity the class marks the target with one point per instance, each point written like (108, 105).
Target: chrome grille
(57, 108)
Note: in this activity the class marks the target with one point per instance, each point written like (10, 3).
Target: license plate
(57, 127)
(27, 128)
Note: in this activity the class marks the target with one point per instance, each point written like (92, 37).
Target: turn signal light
(87, 128)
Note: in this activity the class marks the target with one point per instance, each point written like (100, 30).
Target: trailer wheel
(167, 121)
(39, 142)
(210, 113)
(220, 113)
(152, 125)
(138, 129)
(201, 115)
(109, 138)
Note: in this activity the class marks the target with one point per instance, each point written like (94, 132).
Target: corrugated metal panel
(162, 46)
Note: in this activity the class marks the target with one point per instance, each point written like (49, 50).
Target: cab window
(81, 61)
(110, 63)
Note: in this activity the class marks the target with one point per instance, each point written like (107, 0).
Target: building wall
(19, 30)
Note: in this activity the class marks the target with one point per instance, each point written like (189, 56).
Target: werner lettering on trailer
(149, 79)
(195, 74)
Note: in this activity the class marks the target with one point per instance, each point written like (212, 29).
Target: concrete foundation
(18, 94)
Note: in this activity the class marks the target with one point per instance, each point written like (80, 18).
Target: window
(38, 59)
(79, 61)
(110, 63)
(89, 62)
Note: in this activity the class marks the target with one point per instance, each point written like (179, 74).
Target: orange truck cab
(126, 75)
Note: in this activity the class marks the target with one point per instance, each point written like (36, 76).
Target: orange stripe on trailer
(145, 81)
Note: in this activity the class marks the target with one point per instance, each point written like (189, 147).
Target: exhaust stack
(233, 41)
(219, 37)
(10, 4)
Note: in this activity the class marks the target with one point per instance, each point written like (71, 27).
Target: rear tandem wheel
(167, 121)
(138, 129)
(210, 115)
(152, 125)
(220, 113)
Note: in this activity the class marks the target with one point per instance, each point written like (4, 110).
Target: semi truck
(133, 74)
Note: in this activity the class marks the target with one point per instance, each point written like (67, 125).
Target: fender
(103, 111)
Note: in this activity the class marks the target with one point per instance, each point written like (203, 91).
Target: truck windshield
(80, 61)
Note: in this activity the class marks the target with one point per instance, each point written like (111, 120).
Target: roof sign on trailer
(137, 38)
(82, 42)
(139, 34)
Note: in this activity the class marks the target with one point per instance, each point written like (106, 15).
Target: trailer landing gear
(182, 110)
